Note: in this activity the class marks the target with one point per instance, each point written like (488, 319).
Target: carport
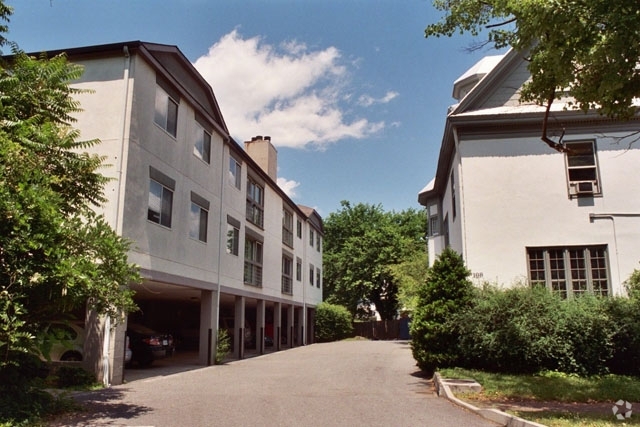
(187, 313)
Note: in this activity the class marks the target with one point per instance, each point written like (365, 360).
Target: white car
(66, 340)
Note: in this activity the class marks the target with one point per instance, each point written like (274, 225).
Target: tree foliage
(587, 50)
(56, 253)
(362, 245)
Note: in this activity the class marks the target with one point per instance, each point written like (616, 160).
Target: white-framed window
(299, 228)
(255, 203)
(434, 220)
(318, 242)
(311, 237)
(570, 271)
(233, 236)
(311, 273)
(235, 172)
(287, 275)
(198, 218)
(161, 189)
(202, 144)
(318, 278)
(299, 269)
(287, 227)
(252, 261)
(582, 169)
(166, 110)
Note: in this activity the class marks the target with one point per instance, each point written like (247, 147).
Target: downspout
(304, 287)
(106, 360)
(119, 202)
(221, 223)
(612, 216)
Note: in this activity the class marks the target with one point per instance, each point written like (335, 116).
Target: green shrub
(632, 285)
(588, 331)
(223, 346)
(447, 291)
(74, 376)
(525, 330)
(512, 330)
(20, 399)
(332, 322)
(625, 319)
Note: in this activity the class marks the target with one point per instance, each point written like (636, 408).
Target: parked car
(148, 345)
(62, 341)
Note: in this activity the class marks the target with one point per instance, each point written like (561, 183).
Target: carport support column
(290, 325)
(238, 326)
(311, 325)
(300, 328)
(277, 325)
(260, 309)
(208, 327)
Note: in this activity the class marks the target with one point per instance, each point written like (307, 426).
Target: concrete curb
(494, 415)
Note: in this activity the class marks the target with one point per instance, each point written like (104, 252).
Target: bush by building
(333, 322)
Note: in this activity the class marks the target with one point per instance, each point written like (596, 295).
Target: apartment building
(218, 243)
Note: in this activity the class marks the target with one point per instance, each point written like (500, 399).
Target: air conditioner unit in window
(584, 187)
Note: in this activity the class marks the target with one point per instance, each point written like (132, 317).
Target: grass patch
(579, 401)
(563, 419)
(551, 386)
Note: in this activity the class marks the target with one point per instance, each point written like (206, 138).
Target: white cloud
(289, 187)
(296, 95)
(367, 100)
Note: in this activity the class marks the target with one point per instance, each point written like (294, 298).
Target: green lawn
(557, 387)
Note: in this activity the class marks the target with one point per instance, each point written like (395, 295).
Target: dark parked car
(148, 345)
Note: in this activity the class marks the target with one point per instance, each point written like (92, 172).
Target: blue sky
(352, 94)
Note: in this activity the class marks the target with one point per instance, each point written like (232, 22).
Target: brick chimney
(264, 154)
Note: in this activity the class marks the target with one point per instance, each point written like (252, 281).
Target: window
(233, 235)
(311, 237)
(318, 242)
(287, 228)
(299, 229)
(255, 203)
(252, 262)
(160, 198)
(235, 175)
(198, 218)
(434, 221)
(582, 169)
(298, 269)
(318, 276)
(166, 114)
(202, 145)
(570, 271)
(311, 273)
(453, 197)
(287, 275)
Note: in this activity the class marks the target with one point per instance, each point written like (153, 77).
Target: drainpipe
(106, 340)
(221, 224)
(612, 216)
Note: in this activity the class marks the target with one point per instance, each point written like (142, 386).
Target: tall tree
(586, 50)
(362, 244)
(56, 253)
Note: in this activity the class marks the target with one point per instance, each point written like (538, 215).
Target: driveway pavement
(348, 383)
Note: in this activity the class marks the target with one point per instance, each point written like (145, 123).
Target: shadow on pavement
(106, 403)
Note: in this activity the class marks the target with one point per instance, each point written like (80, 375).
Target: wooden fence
(383, 329)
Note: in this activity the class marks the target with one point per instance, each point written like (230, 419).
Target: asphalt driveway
(348, 383)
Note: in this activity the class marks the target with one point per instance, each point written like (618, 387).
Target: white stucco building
(519, 211)
(214, 235)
